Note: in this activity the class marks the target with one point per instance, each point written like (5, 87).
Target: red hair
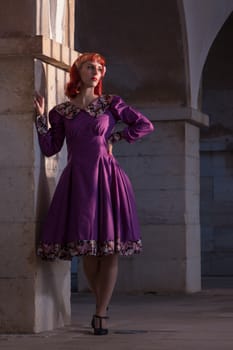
(72, 87)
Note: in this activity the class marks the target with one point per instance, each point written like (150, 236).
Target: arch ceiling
(144, 43)
(203, 21)
(156, 49)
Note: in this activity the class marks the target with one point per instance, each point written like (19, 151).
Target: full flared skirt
(92, 212)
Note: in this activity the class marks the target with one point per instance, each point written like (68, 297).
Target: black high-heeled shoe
(93, 319)
(97, 325)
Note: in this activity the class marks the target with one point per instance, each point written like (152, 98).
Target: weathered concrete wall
(52, 298)
(17, 222)
(216, 158)
(166, 181)
(217, 207)
(34, 295)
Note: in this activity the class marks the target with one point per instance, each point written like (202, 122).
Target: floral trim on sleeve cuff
(41, 124)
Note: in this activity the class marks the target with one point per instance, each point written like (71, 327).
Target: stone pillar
(164, 169)
(34, 295)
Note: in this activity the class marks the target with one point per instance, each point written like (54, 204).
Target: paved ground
(168, 322)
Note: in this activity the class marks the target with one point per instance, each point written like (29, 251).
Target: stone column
(164, 169)
(34, 295)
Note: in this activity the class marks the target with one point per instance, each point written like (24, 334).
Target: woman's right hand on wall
(39, 104)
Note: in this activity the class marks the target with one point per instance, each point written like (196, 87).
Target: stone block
(193, 241)
(166, 140)
(140, 274)
(38, 157)
(51, 86)
(207, 239)
(17, 246)
(163, 241)
(159, 207)
(192, 183)
(143, 172)
(17, 192)
(222, 164)
(173, 166)
(217, 263)
(192, 166)
(43, 190)
(14, 71)
(223, 189)
(191, 140)
(206, 188)
(223, 238)
(216, 214)
(16, 140)
(206, 164)
(139, 148)
(192, 215)
(17, 297)
(15, 24)
(145, 273)
(193, 274)
(62, 78)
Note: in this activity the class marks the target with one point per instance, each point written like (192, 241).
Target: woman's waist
(86, 153)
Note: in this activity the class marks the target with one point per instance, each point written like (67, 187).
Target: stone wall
(34, 295)
(216, 158)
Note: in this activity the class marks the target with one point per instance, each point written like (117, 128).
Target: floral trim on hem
(90, 247)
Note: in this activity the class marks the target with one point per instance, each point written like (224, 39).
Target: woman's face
(91, 72)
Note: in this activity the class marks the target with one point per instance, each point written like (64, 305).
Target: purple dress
(93, 208)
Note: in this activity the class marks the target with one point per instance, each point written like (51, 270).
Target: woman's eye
(99, 69)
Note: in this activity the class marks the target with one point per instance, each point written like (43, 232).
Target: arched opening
(143, 44)
(217, 162)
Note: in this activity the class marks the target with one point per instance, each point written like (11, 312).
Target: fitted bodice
(87, 136)
(87, 131)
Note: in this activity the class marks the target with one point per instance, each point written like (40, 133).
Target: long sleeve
(137, 124)
(51, 140)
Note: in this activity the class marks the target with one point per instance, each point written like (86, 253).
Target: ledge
(39, 47)
(168, 114)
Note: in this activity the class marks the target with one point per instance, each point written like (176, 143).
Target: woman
(93, 208)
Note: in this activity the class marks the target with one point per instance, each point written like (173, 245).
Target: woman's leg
(91, 265)
(101, 273)
(107, 276)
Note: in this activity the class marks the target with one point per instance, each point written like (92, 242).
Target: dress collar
(98, 106)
